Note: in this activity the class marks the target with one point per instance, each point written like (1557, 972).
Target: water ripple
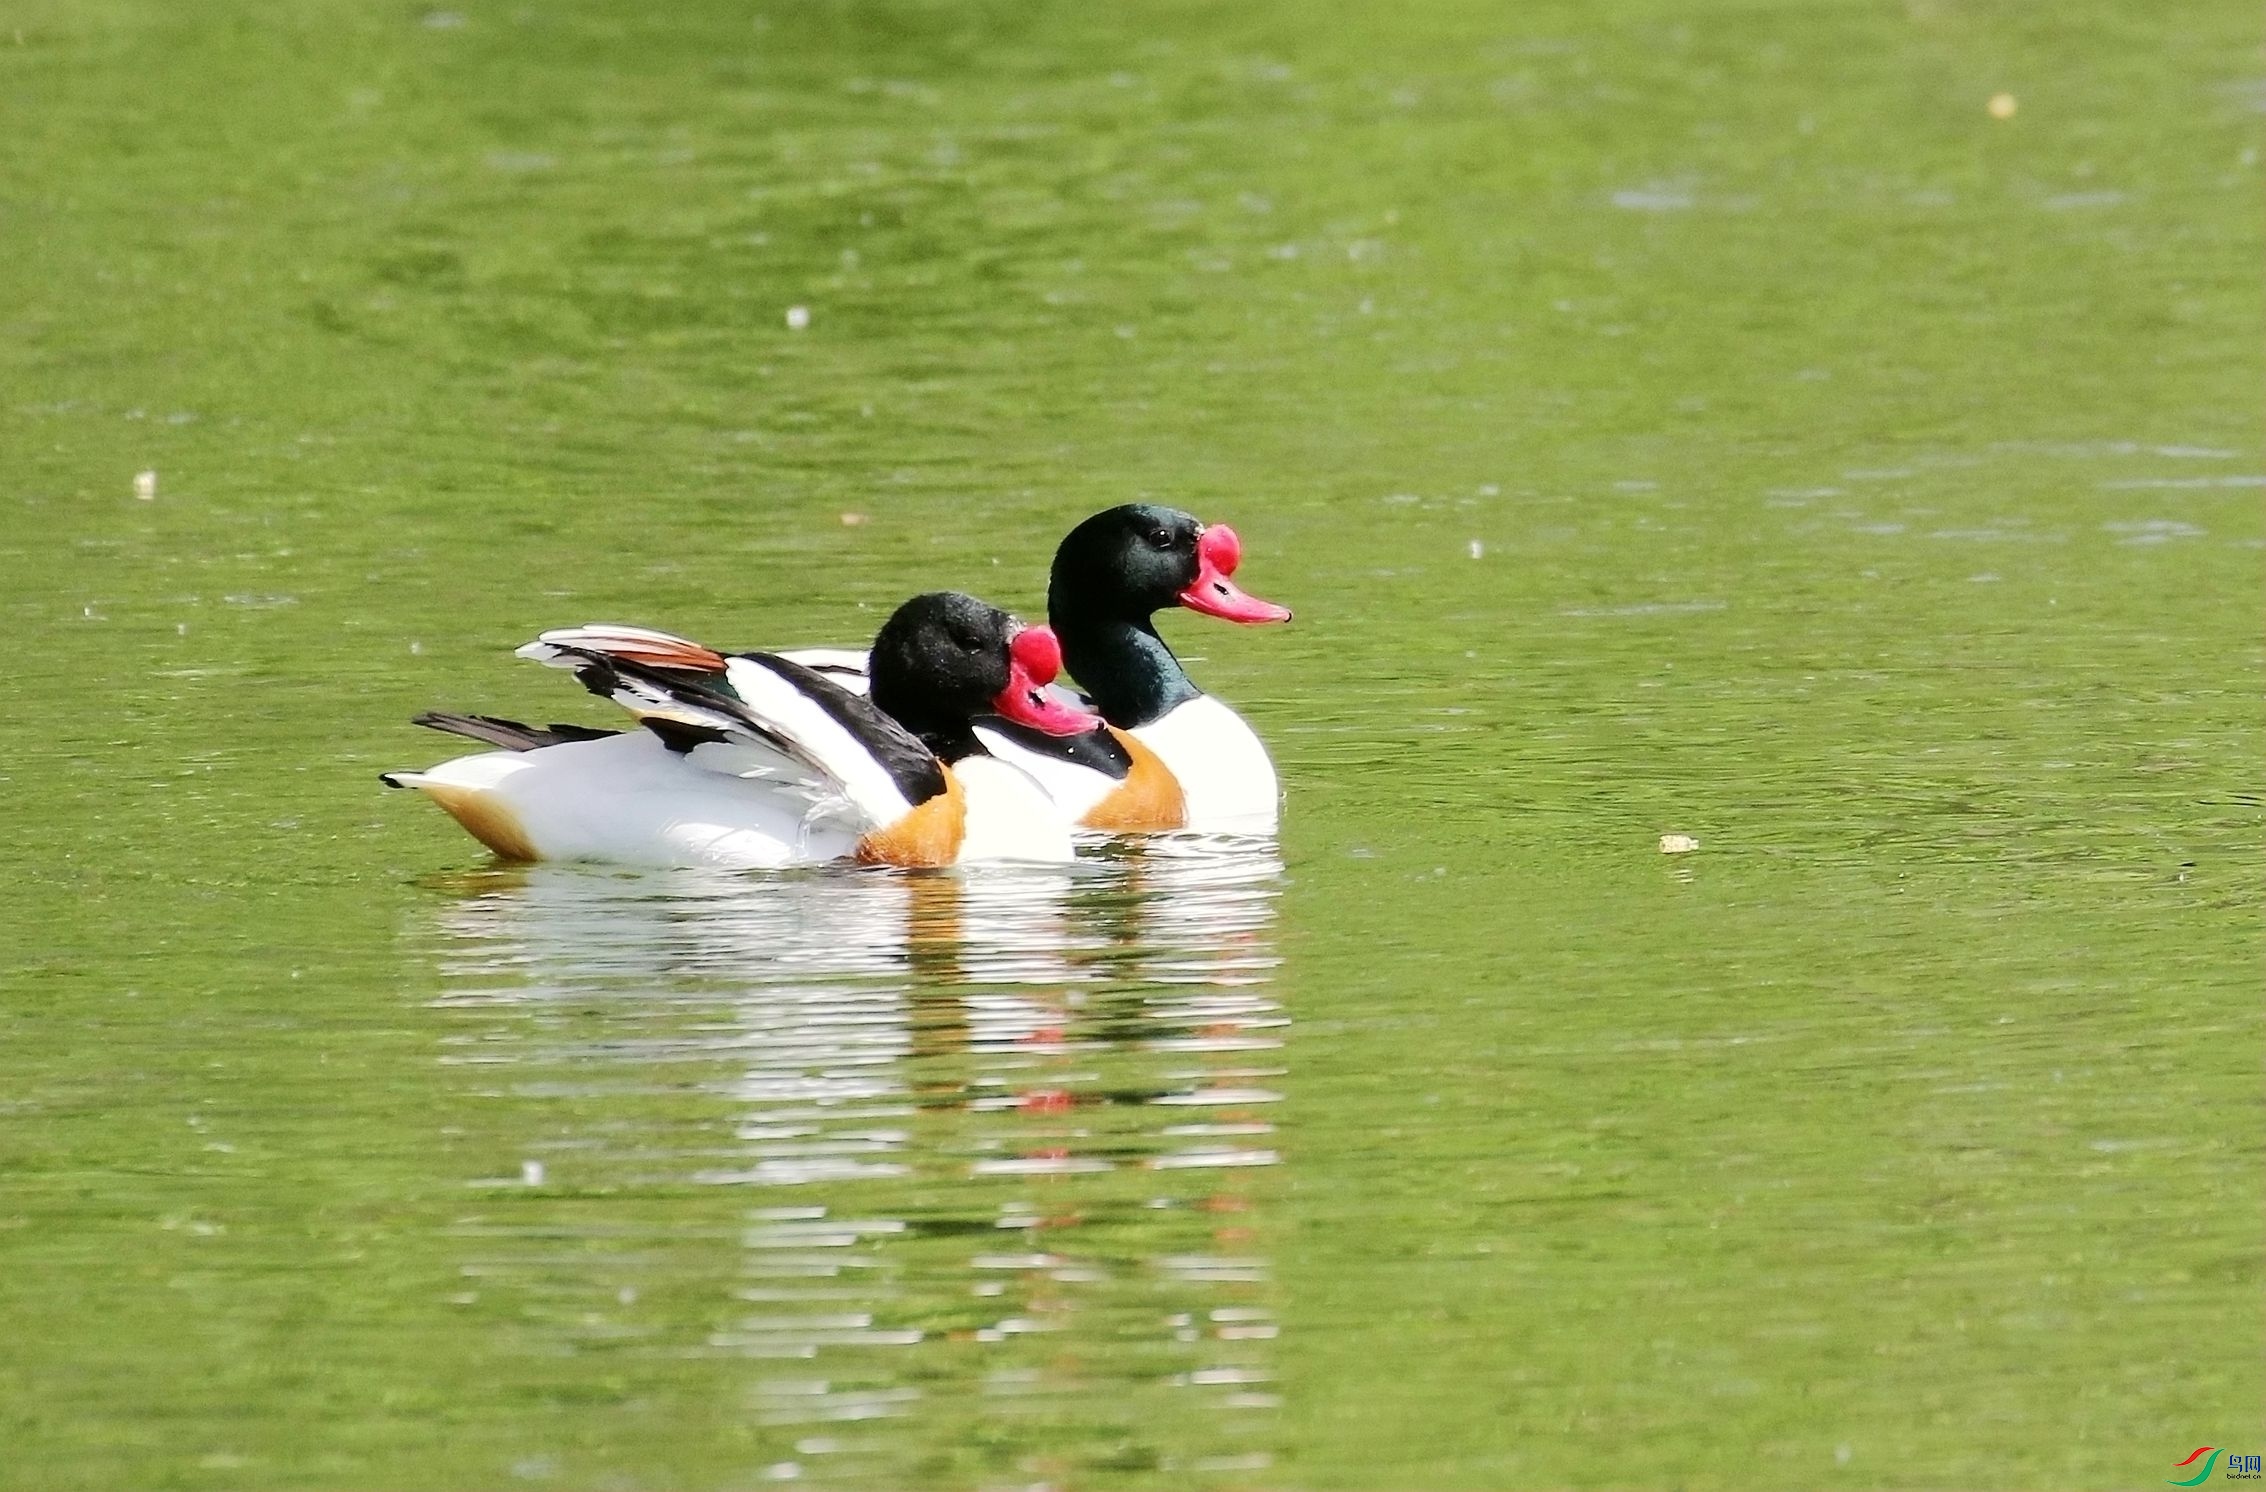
(978, 1132)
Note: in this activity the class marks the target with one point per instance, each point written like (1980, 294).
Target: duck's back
(630, 800)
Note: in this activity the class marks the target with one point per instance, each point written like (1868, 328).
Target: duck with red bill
(1170, 756)
(757, 760)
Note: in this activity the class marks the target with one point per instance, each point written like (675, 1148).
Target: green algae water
(1827, 432)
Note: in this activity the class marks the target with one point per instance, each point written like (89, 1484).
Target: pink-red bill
(1218, 552)
(1034, 657)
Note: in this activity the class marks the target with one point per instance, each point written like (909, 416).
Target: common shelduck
(754, 761)
(1167, 755)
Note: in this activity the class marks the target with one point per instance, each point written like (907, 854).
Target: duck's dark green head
(1126, 563)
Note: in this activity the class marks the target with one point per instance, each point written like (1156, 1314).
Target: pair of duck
(943, 744)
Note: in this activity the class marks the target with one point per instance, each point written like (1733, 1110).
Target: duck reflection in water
(996, 1145)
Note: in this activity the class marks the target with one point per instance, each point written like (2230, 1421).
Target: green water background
(1664, 419)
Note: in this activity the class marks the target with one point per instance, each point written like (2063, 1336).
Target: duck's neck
(1124, 665)
(952, 742)
(950, 737)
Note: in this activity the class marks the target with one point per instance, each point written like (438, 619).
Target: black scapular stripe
(508, 734)
(680, 737)
(911, 765)
(1096, 749)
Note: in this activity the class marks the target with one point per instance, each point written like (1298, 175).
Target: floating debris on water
(145, 486)
(798, 317)
(1677, 844)
(853, 520)
(531, 1173)
(2002, 106)
(1476, 549)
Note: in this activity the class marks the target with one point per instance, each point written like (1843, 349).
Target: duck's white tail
(468, 795)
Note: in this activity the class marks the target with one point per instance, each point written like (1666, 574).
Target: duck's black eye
(1161, 537)
(967, 642)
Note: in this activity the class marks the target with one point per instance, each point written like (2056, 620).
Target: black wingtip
(511, 735)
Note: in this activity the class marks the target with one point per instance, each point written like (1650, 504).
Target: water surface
(1712, 422)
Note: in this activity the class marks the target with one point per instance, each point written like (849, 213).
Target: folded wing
(754, 715)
